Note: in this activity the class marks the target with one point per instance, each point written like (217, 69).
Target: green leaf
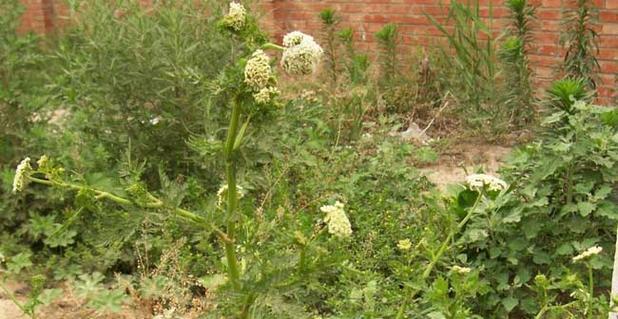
(565, 249)
(509, 303)
(50, 295)
(19, 262)
(585, 208)
(541, 257)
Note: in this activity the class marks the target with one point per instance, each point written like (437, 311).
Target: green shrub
(562, 201)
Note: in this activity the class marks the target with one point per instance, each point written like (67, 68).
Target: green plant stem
(445, 245)
(547, 308)
(247, 306)
(232, 195)
(272, 46)
(156, 203)
(303, 259)
(449, 238)
(591, 291)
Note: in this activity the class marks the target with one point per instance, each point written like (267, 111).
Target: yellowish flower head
(22, 173)
(265, 95)
(236, 17)
(258, 71)
(337, 221)
(461, 270)
(479, 181)
(404, 244)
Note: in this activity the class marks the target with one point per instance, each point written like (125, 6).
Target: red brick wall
(39, 16)
(367, 17)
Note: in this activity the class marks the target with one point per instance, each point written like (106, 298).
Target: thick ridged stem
(232, 195)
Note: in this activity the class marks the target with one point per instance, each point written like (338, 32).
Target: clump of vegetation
(330, 21)
(388, 39)
(357, 64)
(581, 43)
(514, 54)
(474, 63)
(169, 177)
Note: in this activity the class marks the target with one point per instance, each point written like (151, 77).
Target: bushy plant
(561, 202)
(357, 64)
(474, 60)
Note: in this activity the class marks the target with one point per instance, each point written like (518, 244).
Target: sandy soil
(452, 166)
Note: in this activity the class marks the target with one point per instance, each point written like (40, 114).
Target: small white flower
(21, 175)
(155, 120)
(461, 270)
(300, 58)
(258, 71)
(595, 250)
(479, 181)
(236, 17)
(337, 221)
(265, 95)
(223, 191)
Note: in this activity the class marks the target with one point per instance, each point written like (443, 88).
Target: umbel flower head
(22, 173)
(337, 221)
(479, 181)
(258, 71)
(404, 244)
(595, 250)
(461, 270)
(301, 55)
(265, 95)
(236, 17)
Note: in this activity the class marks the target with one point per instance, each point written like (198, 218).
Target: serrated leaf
(585, 208)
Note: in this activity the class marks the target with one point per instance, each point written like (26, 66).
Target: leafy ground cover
(166, 163)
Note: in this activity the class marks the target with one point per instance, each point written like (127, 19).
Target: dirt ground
(64, 308)
(452, 166)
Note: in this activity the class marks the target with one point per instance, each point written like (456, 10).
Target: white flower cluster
(223, 191)
(21, 175)
(461, 270)
(595, 250)
(479, 181)
(301, 55)
(236, 17)
(258, 71)
(337, 221)
(265, 95)
(258, 75)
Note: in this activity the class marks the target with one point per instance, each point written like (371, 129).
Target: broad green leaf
(585, 208)
(509, 303)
